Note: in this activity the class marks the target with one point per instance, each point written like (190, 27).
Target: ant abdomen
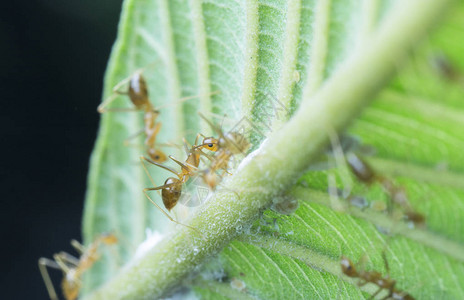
(360, 168)
(138, 92)
(171, 193)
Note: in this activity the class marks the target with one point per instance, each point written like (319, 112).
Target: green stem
(280, 160)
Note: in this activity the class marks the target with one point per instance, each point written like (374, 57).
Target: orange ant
(364, 172)
(73, 267)
(138, 94)
(226, 146)
(387, 283)
(171, 191)
(172, 188)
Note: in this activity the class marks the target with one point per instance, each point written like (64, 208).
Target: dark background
(53, 57)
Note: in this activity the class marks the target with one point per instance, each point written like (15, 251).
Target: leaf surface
(266, 58)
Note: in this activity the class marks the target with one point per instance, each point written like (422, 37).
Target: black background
(53, 54)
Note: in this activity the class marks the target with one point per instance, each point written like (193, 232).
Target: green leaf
(317, 64)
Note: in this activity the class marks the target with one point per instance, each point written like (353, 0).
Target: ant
(387, 283)
(364, 172)
(73, 267)
(444, 67)
(227, 145)
(171, 191)
(137, 92)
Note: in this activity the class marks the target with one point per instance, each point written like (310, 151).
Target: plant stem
(281, 159)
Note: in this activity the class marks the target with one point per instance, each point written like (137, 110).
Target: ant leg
(78, 246)
(210, 157)
(375, 294)
(102, 107)
(61, 260)
(340, 162)
(223, 119)
(169, 144)
(218, 116)
(181, 164)
(181, 100)
(388, 186)
(387, 267)
(362, 283)
(196, 138)
(334, 196)
(161, 187)
(229, 190)
(142, 158)
(225, 172)
(131, 137)
(217, 129)
(362, 261)
(69, 258)
(187, 146)
(43, 264)
(166, 214)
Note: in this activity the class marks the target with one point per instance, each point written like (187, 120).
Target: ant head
(157, 155)
(210, 143)
(348, 267)
(415, 217)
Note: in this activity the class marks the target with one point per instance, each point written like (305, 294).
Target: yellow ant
(227, 145)
(171, 191)
(73, 267)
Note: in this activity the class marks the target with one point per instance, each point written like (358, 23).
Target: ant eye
(157, 157)
(210, 145)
